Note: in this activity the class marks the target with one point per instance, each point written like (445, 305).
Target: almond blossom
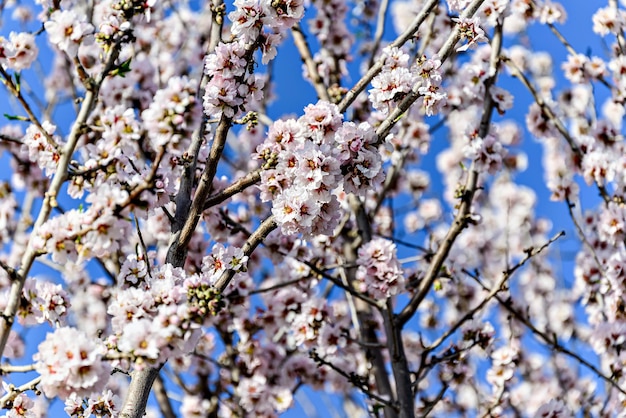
(246, 205)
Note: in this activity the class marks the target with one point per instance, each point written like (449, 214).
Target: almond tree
(168, 225)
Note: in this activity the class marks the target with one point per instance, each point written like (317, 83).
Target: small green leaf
(122, 69)
(14, 117)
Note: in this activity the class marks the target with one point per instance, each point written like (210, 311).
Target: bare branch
(267, 226)
(309, 62)
(463, 216)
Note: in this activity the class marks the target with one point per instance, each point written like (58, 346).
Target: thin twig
(380, 30)
(500, 286)
(552, 342)
(550, 115)
(237, 187)
(8, 368)
(356, 380)
(14, 391)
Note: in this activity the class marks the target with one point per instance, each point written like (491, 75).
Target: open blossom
(609, 20)
(67, 30)
(258, 395)
(471, 31)
(43, 149)
(105, 404)
(283, 14)
(21, 406)
(488, 153)
(552, 12)
(194, 406)
(247, 19)
(48, 302)
(77, 367)
(19, 51)
(579, 68)
(223, 258)
(612, 222)
(554, 408)
(492, 10)
(433, 99)
(457, 5)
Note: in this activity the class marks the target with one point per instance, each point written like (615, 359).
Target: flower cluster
(44, 302)
(105, 404)
(361, 163)
(394, 81)
(580, 69)
(43, 148)
(221, 259)
(230, 86)
(379, 274)
(308, 160)
(398, 78)
(551, 12)
(250, 16)
(609, 20)
(335, 39)
(71, 368)
(173, 114)
(151, 321)
(488, 152)
(81, 234)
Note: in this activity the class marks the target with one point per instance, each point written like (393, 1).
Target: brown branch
(237, 187)
(462, 217)
(267, 226)
(49, 201)
(7, 138)
(380, 30)
(187, 220)
(162, 399)
(378, 66)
